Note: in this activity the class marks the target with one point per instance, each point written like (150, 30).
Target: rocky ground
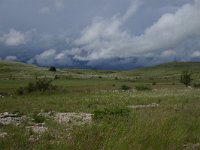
(69, 119)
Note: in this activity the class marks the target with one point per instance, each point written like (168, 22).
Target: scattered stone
(9, 118)
(38, 129)
(191, 146)
(73, 118)
(34, 138)
(47, 114)
(3, 134)
(1, 96)
(153, 105)
(69, 118)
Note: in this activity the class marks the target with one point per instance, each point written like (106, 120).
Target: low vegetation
(125, 87)
(186, 78)
(38, 118)
(52, 69)
(111, 112)
(120, 110)
(196, 85)
(40, 85)
(142, 88)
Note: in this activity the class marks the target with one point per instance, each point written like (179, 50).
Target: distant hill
(173, 69)
(168, 70)
(10, 69)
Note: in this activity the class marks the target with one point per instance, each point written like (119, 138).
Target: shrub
(20, 91)
(196, 85)
(52, 69)
(132, 80)
(125, 87)
(115, 112)
(56, 77)
(4, 94)
(142, 88)
(154, 83)
(31, 87)
(41, 85)
(38, 119)
(186, 78)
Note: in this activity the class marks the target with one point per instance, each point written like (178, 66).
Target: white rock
(38, 129)
(144, 106)
(3, 134)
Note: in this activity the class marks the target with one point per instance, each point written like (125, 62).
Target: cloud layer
(104, 38)
(134, 33)
(14, 38)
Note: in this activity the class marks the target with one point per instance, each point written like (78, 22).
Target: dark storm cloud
(102, 34)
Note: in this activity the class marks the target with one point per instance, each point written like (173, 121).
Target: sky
(99, 34)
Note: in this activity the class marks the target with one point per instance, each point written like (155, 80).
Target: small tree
(186, 78)
(52, 69)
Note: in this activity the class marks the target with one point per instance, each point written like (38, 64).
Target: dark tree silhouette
(186, 78)
(52, 68)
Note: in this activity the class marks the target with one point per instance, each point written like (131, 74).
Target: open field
(164, 117)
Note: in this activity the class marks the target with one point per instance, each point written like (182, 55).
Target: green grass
(115, 126)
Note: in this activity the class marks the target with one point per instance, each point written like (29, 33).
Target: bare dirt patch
(153, 105)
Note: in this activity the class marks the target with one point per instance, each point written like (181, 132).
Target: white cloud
(14, 38)
(46, 58)
(51, 58)
(196, 54)
(104, 38)
(45, 10)
(11, 58)
(168, 53)
(171, 29)
(59, 3)
(131, 10)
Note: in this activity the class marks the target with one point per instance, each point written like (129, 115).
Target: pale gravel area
(69, 118)
(7, 118)
(153, 105)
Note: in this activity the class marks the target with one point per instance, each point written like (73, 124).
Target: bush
(56, 77)
(38, 119)
(31, 87)
(186, 78)
(115, 112)
(125, 87)
(154, 83)
(142, 88)
(20, 91)
(41, 85)
(52, 69)
(196, 85)
(4, 94)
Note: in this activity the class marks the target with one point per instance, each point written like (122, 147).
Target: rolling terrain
(142, 109)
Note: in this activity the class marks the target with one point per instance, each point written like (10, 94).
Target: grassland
(174, 125)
